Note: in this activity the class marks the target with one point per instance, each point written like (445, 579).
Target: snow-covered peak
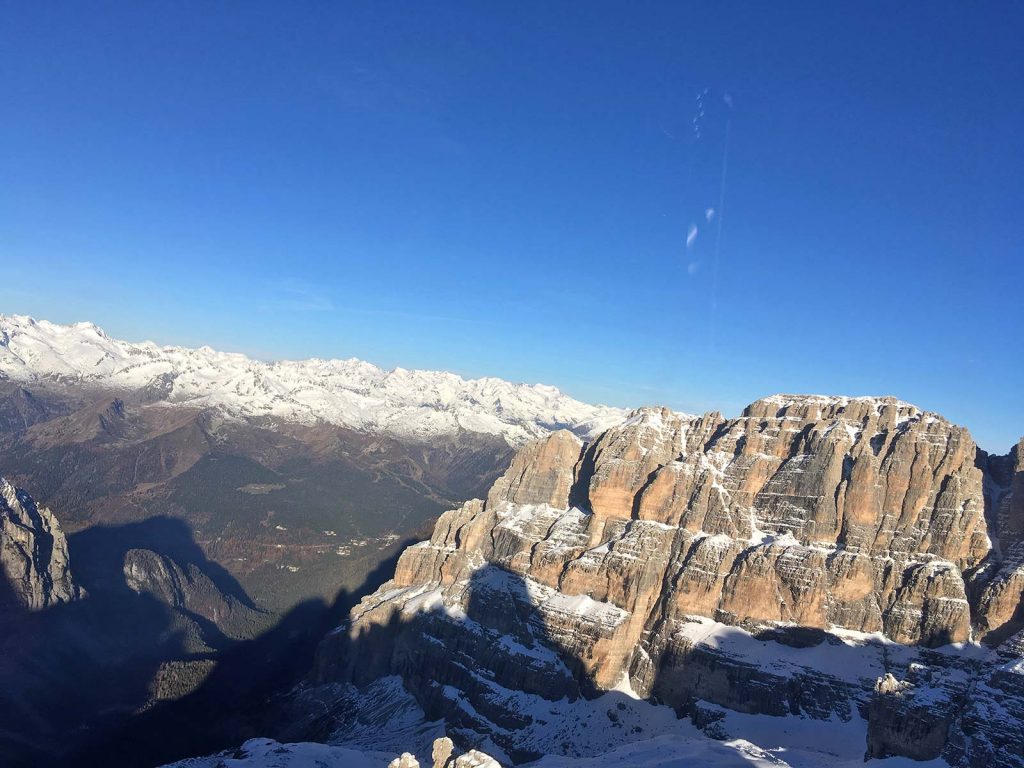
(411, 404)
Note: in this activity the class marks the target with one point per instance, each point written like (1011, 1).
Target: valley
(197, 527)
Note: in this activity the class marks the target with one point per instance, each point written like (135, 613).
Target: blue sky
(507, 189)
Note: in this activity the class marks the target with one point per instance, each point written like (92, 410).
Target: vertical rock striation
(34, 560)
(688, 557)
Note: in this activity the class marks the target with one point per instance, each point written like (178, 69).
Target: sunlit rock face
(860, 514)
(631, 557)
(34, 566)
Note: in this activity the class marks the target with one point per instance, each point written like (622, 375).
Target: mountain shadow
(99, 554)
(492, 664)
(77, 670)
(239, 699)
(466, 666)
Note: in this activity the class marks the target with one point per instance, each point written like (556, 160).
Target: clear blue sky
(507, 189)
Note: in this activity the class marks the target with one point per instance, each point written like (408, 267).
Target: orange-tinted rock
(818, 512)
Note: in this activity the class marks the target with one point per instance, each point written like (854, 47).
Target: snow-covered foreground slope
(663, 752)
(611, 731)
(351, 393)
(660, 752)
(267, 753)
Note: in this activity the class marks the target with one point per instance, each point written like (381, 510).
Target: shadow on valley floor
(239, 697)
(99, 554)
(79, 665)
(76, 671)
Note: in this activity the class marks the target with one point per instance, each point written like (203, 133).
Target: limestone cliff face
(806, 512)
(33, 554)
(1001, 581)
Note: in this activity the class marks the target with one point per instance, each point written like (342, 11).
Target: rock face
(999, 601)
(443, 756)
(34, 561)
(989, 729)
(186, 588)
(405, 760)
(755, 563)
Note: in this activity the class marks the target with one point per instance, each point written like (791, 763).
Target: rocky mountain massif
(848, 563)
(818, 581)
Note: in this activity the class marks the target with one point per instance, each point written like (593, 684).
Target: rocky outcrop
(989, 729)
(906, 719)
(442, 751)
(474, 758)
(405, 760)
(443, 755)
(34, 562)
(681, 554)
(185, 588)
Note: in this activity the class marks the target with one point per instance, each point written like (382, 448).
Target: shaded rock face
(903, 726)
(633, 557)
(989, 729)
(183, 587)
(34, 559)
(1001, 580)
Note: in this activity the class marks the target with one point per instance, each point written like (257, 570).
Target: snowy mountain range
(409, 404)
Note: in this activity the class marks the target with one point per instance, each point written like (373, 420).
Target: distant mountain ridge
(409, 404)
